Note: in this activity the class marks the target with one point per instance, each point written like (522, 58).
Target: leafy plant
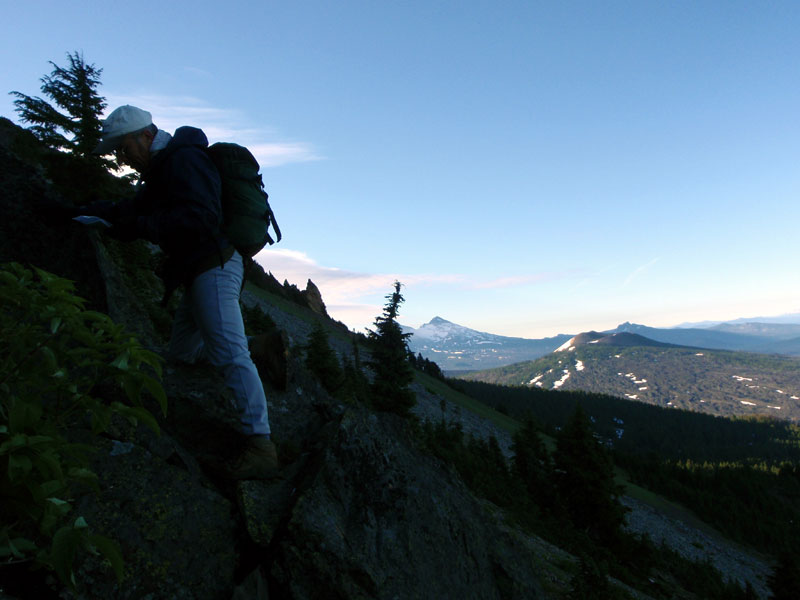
(53, 356)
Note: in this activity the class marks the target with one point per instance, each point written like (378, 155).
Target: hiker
(177, 206)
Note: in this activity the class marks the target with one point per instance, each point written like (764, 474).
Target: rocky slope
(678, 529)
(358, 512)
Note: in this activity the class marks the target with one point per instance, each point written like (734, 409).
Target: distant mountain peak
(628, 326)
(619, 338)
(589, 337)
(455, 347)
(439, 321)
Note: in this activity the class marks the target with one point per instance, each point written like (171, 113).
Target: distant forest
(741, 475)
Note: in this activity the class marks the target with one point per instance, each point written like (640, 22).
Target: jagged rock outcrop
(311, 297)
(314, 299)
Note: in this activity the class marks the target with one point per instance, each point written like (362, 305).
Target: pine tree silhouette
(73, 89)
(393, 372)
(532, 464)
(585, 481)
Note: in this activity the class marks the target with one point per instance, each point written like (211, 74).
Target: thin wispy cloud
(639, 271)
(357, 316)
(220, 125)
(347, 294)
(522, 280)
(276, 154)
(197, 71)
(356, 297)
(341, 285)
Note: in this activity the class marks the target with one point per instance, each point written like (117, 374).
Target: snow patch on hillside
(568, 345)
(561, 381)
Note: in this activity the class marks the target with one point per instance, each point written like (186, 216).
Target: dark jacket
(177, 206)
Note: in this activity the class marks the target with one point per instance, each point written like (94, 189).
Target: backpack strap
(269, 216)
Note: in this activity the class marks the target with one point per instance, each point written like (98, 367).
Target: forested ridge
(716, 382)
(741, 475)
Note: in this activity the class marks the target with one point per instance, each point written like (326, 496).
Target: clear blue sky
(524, 168)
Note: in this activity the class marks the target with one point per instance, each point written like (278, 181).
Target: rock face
(161, 512)
(314, 299)
(360, 511)
(381, 520)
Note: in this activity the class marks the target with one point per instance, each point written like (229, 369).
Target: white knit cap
(124, 120)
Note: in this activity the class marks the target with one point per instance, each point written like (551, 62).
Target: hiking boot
(270, 352)
(259, 460)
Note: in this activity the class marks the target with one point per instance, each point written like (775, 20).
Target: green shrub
(53, 355)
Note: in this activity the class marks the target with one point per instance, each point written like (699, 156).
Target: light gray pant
(208, 324)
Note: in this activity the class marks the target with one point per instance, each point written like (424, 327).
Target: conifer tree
(585, 480)
(532, 464)
(393, 372)
(321, 360)
(73, 89)
(355, 386)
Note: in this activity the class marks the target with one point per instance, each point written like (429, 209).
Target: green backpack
(246, 213)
